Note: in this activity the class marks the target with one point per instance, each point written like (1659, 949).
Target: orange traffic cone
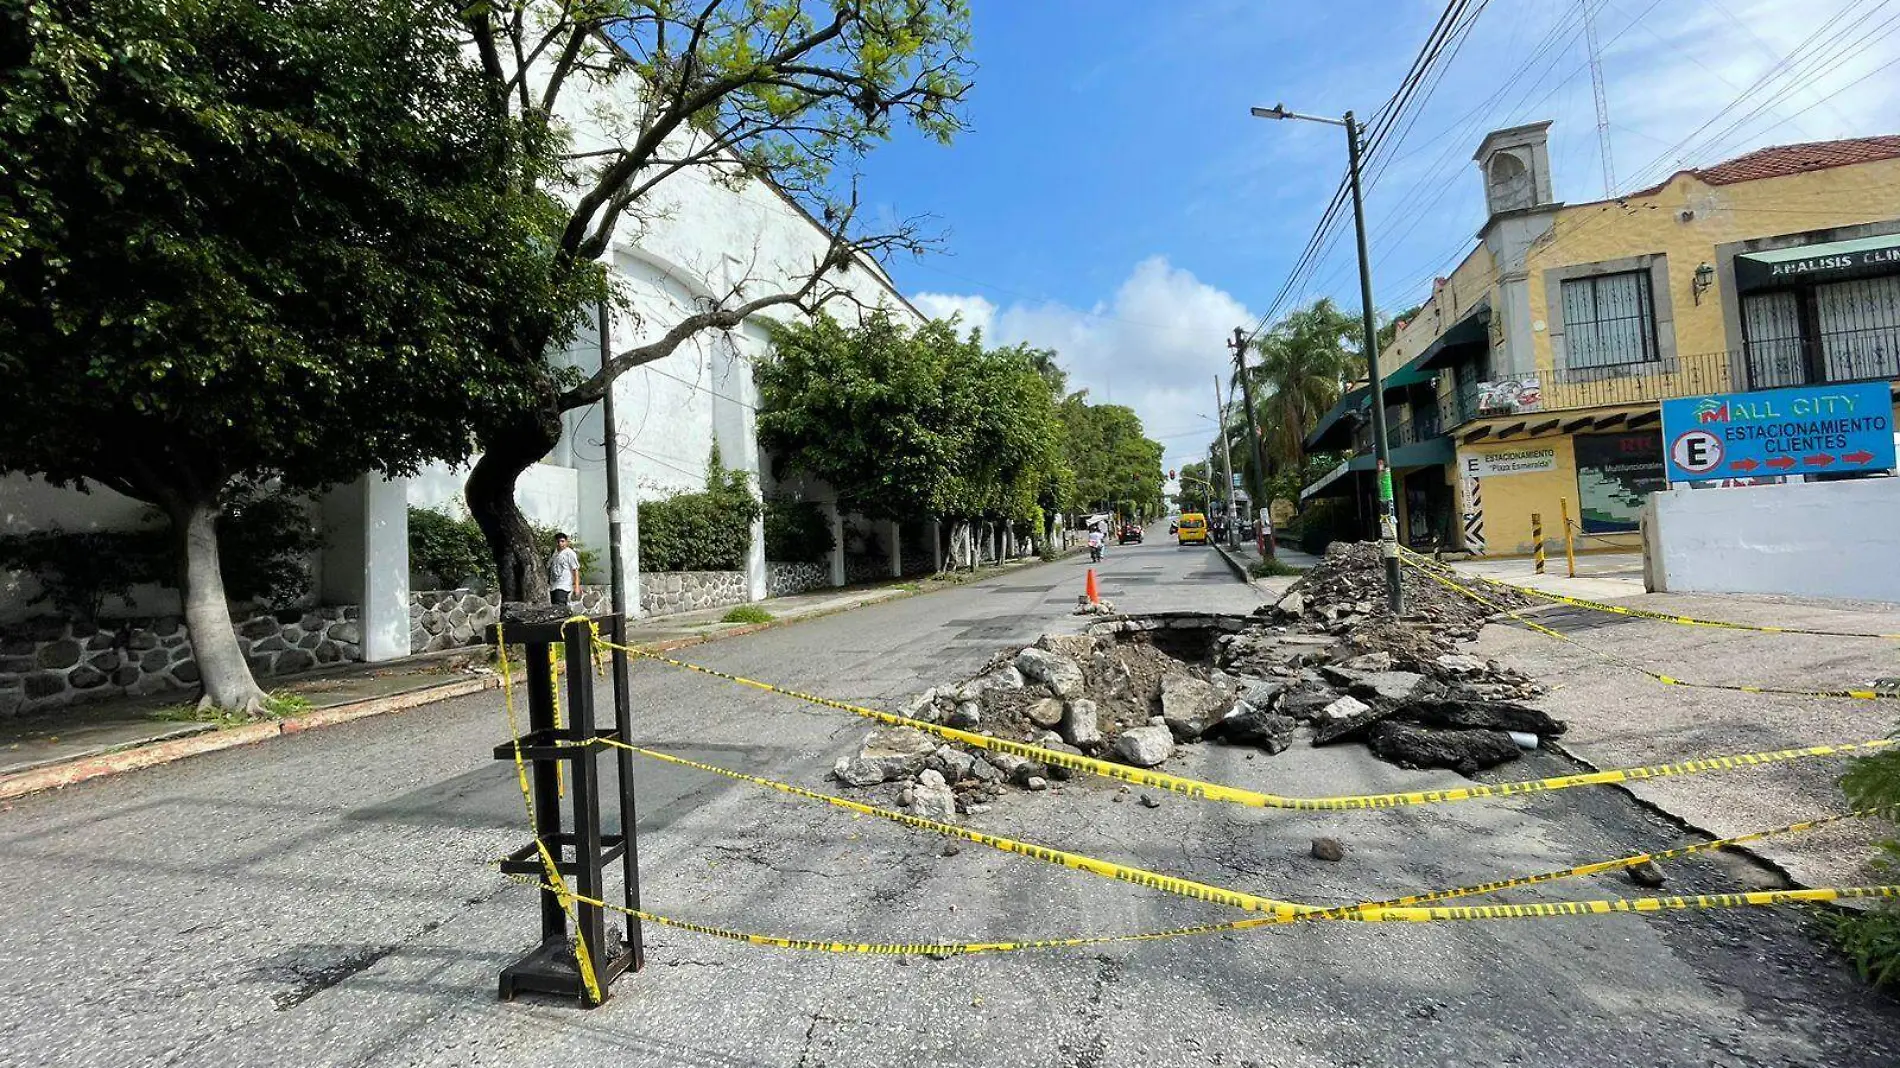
(1090, 591)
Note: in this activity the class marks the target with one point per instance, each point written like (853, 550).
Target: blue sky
(1115, 201)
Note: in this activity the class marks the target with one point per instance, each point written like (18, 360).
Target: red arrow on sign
(1861, 457)
(1781, 463)
(1820, 459)
(1744, 465)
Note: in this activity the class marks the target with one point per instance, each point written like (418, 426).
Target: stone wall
(666, 592)
(859, 569)
(46, 663)
(786, 577)
(449, 619)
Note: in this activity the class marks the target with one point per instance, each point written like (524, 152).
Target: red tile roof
(1778, 161)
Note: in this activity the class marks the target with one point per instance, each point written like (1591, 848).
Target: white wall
(1817, 539)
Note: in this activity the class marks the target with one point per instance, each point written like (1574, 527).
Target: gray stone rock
(1187, 703)
(17, 665)
(1460, 664)
(186, 672)
(1062, 675)
(1293, 603)
(154, 661)
(1344, 708)
(953, 764)
(126, 676)
(1647, 875)
(1081, 723)
(1045, 713)
(968, 715)
(142, 639)
(327, 652)
(888, 754)
(1247, 724)
(1328, 849)
(272, 644)
(1036, 782)
(1144, 747)
(932, 798)
(258, 627)
(1347, 718)
(1016, 769)
(1003, 678)
(43, 684)
(983, 771)
(295, 660)
(1150, 801)
(1054, 743)
(352, 633)
(61, 654)
(1393, 686)
(1466, 752)
(1374, 661)
(105, 639)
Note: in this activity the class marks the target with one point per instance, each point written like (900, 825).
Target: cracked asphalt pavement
(327, 899)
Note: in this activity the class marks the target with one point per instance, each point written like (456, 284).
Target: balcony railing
(1767, 366)
(1422, 426)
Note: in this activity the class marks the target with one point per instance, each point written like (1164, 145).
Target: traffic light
(1170, 474)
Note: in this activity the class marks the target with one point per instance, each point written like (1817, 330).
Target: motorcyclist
(1096, 540)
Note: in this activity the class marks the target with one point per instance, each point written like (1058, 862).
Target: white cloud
(1154, 346)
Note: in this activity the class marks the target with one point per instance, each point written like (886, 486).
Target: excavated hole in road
(1326, 664)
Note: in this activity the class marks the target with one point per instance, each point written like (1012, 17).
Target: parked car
(1130, 532)
(1192, 529)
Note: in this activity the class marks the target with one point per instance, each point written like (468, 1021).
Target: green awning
(1455, 344)
(1334, 431)
(1434, 452)
(1826, 262)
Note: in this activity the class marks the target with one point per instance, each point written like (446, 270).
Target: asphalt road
(326, 899)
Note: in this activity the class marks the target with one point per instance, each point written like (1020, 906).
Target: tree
(1196, 492)
(1305, 361)
(245, 243)
(1112, 461)
(782, 91)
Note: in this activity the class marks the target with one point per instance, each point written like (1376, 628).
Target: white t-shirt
(563, 566)
(1096, 538)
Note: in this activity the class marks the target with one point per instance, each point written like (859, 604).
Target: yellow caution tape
(1641, 613)
(1667, 680)
(1208, 791)
(1351, 914)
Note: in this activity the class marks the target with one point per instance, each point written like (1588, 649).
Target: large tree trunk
(490, 492)
(222, 668)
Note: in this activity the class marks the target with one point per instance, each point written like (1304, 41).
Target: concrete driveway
(326, 899)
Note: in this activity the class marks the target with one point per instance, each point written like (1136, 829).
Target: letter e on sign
(1696, 451)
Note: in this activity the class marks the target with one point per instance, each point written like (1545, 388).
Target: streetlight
(1381, 449)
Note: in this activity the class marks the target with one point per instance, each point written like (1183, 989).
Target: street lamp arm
(1279, 111)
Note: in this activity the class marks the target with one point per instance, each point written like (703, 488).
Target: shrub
(265, 539)
(747, 613)
(706, 531)
(1871, 939)
(1273, 567)
(445, 551)
(797, 531)
(1325, 522)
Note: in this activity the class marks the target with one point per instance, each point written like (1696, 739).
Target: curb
(1239, 569)
(136, 756)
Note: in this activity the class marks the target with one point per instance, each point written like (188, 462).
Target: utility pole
(1260, 501)
(1381, 448)
(1227, 463)
(616, 575)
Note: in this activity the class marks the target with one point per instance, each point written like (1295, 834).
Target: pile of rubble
(1347, 589)
(1327, 661)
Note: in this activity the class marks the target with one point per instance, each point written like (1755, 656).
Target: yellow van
(1192, 529)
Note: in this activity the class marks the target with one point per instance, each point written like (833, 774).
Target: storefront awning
(1333, 433)
(1828, 262)
(1455, 344)
(1333, 483)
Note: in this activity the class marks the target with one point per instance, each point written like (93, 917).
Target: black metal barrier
(580, 851)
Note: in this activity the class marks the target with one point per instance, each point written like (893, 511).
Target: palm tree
(1306, 360)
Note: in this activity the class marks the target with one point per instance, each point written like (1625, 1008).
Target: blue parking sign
(1800, 431)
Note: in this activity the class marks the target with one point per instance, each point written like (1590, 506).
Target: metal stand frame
(581, 853)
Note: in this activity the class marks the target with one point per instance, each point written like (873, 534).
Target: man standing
(564, 572)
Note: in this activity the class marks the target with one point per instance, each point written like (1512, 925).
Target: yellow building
(1531, 379)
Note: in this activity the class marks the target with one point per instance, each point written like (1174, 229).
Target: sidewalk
(1600, 576)
(80, 742)
(1243, 556)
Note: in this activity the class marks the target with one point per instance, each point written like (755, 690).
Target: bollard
(1537, 538)
(1570, 541)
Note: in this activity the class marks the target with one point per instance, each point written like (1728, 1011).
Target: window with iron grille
(1609, 319)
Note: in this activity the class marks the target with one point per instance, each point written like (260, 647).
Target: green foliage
(1115, 466)
(1272, 567)
(265, 539)
(1305, 361)
(445, 551)
(797, 531)
(278, 705)
(1196, 486)
(1871, 939)
(747, 613)
(242, 238)
(1326, 521)
(706, 531)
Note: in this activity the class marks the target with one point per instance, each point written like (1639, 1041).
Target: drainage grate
(1569, 620)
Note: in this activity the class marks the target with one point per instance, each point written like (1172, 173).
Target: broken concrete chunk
(1003, 678)
(1647, 874)
(1293, 604)
(968, 716)
(953, 764)
(1081, 723)
(1466, 752)
(1045, 713)
(1187, 703)
(983, 771)
(1061, 674)
(1451, 712)
(1460, 664)
(1329, 728)
(1328, 849)
(923, 707)
(1016, 769)
(1055, 744)
(932, 798)
(1393, 686)
(1036, 782)
(1144, 747)
(1378, 661)
(888, 754)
